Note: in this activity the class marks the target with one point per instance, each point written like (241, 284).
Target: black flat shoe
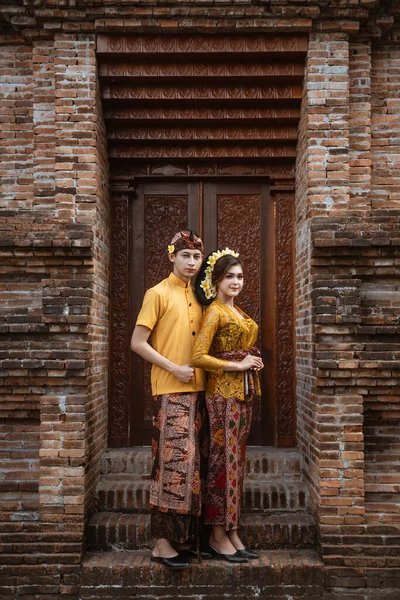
(176, 562)
(232, 558)
(248, 554)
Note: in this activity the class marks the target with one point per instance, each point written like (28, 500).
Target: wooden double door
(239, 214)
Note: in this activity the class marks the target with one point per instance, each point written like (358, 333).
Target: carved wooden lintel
(197, 44)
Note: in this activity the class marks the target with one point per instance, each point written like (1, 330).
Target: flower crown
(206, 285)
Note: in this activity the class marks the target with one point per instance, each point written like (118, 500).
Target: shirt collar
(174, 279)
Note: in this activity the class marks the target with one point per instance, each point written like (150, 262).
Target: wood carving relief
(201, 151)
(284, 317)
(119, 364)
(179, 44)
(205, 92)
(164, 168)
(196, 69)
(204, 133)
(196, 113)
(239, 229)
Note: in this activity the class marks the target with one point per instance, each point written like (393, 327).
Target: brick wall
(54, 315)
(348, 386)
(54, 250)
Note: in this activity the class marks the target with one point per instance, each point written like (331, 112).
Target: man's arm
(140, 345)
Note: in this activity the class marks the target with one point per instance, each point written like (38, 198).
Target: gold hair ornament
(210, 291)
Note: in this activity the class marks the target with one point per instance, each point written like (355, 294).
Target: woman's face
(232, 283)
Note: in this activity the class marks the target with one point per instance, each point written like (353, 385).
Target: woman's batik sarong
(230, 422)
(179, 450)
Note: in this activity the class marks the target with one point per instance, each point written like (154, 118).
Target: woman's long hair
(221, 267)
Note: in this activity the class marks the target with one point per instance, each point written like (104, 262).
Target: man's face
(186, 263)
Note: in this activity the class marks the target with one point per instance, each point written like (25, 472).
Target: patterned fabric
(179, 450)
(249, 376)
(230, 422)
(187, 240)
(173, 527)
(222, 330)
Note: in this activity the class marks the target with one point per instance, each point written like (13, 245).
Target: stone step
(130, 493)
(276, 575)
(275, 463)
(130, 531)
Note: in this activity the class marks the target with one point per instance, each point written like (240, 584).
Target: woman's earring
(213, 291)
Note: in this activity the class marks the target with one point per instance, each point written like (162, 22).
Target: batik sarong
(230, 422)
(179, 450)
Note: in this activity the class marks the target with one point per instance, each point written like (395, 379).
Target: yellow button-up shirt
(172, 312)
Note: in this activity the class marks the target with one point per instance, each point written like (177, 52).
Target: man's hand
(183, 372)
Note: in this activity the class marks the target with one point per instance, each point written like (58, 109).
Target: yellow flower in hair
(171, 249)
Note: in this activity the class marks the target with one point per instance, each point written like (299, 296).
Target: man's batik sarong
(179, 450)
(230, 422)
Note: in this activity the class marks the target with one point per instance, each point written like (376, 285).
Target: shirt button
(193, 333)
(190, 304)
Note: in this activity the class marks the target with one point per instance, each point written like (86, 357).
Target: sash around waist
(250, 377)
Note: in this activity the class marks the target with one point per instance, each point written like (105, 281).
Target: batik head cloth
(185, 240)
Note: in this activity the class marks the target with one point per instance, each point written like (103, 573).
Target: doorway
(234, 214)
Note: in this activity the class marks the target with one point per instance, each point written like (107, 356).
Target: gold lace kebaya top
(223, 330)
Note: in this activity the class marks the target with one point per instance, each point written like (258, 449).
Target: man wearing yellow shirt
(171, 315)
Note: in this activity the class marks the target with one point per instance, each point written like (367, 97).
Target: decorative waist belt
(249, 376)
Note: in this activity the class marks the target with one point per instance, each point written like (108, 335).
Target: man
(172, 316)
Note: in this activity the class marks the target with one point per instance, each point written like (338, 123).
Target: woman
(225, 348)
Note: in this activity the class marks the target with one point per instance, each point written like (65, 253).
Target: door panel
(235, 215)
(157, 212)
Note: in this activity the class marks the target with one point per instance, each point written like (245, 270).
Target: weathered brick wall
(97, 405)
(303, 301)
(54, 279)
(54, 329)
(380, 301)
(360, 126)
(348, 392)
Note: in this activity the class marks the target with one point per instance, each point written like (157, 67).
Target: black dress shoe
(232, 558)
(248, 554)
(176, 562)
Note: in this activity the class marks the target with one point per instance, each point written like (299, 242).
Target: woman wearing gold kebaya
(225, 348)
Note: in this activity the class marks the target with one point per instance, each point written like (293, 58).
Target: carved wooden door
(225, 215)
(241, 215)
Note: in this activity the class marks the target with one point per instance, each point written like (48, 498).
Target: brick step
(276, 463)
(276, 575)
(130, 493)
(129, 531)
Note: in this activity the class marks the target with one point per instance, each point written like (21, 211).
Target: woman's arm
(201, 357)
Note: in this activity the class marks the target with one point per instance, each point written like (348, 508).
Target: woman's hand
(254, 363)
(183, 372)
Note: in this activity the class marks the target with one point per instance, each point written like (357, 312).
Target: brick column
(360, 126)
(326, 98)
(330, 414)
(72, 176)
